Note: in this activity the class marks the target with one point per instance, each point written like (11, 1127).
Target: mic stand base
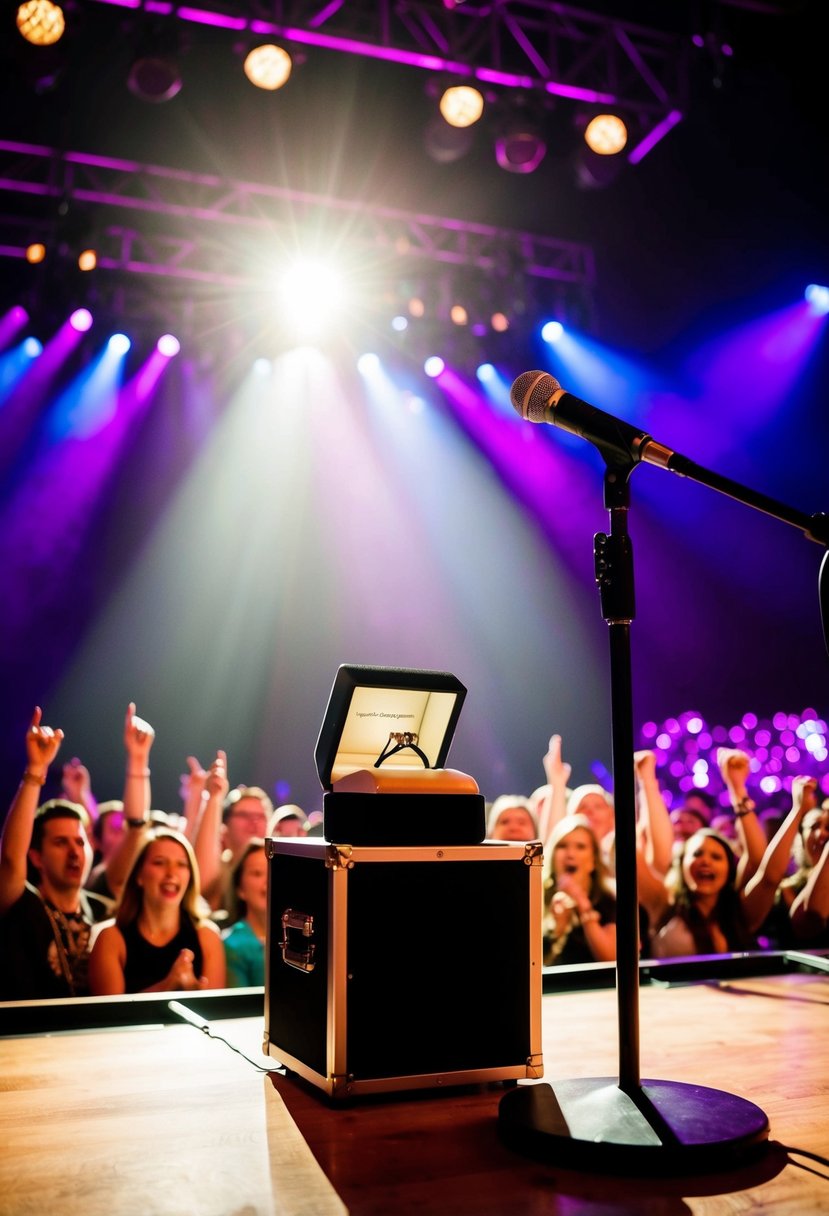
(664, 1128)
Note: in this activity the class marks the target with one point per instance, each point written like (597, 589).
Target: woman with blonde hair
(580, 898)
(158, 941)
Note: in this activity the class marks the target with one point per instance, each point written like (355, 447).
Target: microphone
(538, 397)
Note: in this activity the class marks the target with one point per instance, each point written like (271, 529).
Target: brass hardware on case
(299, 957)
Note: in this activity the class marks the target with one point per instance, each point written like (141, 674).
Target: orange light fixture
(461, 105)
(606, 134)
(268, 66)
(41, 22)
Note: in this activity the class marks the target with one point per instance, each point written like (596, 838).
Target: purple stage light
(81, 320)
(168, 345)
(433, 366)
(11, 323)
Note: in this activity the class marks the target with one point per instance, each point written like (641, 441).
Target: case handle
(298, 954)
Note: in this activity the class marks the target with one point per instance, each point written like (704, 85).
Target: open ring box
(403, 950)
(398, 801)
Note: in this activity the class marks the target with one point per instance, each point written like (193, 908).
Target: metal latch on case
(297, 948)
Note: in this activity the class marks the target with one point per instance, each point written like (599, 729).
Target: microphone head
(530, 395)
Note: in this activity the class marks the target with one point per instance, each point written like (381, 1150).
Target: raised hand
(75, 781)
(804, 794)
(734, 766)
(216, 781)
(558, 773)
(644, 763)
(138, 737)
(194, 780)
(42, 743)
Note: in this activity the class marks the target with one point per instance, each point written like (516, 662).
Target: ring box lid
(368, 703)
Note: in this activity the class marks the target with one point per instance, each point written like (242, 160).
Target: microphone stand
(629, 1125)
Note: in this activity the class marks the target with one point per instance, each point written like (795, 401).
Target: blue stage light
(552, 331)
(818, 297)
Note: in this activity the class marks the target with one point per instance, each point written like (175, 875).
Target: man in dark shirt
(45, 930)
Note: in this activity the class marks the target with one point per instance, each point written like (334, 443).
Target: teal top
(245, 956)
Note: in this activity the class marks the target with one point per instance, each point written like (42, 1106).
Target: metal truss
(528, 45)
(198, 227)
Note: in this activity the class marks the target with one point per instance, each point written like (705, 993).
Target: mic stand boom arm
(815, 527)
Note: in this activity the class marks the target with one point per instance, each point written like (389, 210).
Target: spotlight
(311, 292)
(445, 143)
(485, 373)
(268, 66)
(499, 322)
(154, 77)
(168, 345)
(399, 324)
(606, 134)
(87, 260)
(818, 297)
(520, 151)
(41, 22)
(119, 344)
(595, 170)
(81, 320)
(458, 315)
(433, 366)
(35, 253)
(32, 347)
(552, 331)
(461, 105)
(368, 363)
(519, 146)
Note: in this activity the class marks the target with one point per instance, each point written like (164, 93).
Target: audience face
(697, 804)
(247, 818)
(252, 886)
(165, 873)
(575, 856)
(111, 833)
(291, 825)
(65, 856)
(726, 825)
(686, 821)
(815, 833)
(705, 865)
(598, 812)
(514, 823)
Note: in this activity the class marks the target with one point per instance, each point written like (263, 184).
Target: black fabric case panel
(405, 820)
(298, 1001)
(438, 959)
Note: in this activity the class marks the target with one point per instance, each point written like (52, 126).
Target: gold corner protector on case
(533, 853)
(535, 1067)
(338, 857)
(339, 1085)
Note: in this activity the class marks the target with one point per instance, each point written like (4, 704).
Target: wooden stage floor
(164, 1120)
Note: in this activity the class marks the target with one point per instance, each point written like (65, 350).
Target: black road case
(403, 968)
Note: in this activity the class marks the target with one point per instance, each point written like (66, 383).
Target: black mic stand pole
(628, 1126)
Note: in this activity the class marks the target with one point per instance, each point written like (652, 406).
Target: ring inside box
(387, 732)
